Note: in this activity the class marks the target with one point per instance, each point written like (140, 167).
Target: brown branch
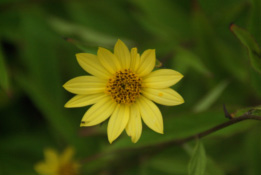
(177, 141)
(211, 130)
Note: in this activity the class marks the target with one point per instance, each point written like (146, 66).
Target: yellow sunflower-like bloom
(56, 164)
(122, 87)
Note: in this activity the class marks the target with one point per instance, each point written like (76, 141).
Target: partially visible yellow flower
(122, 86)
(56, 164)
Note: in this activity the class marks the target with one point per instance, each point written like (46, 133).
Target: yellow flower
(122, 86)
(55, 164)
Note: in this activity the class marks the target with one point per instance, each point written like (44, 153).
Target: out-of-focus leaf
(228, 59)
(212, 168)
(23, 165)
(253, 48)
(202, 33)
(211, 97)
(7, 2)
(223, 13)
(185, 59)
(215, 52)
(245, 38)
(45, 103)
(255, 26)
(25, 143)
(4, 78)
(9, 20)
(39, 54)
(81, 46)
(255, 82)
(88, 35)
(111, 18)
(42, 81)
(169, 164)
(14, 149)
(198, 161)
(163, 18)
(230, 12)
(252, 151)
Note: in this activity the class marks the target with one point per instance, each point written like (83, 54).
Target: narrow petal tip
(78, 56)
(66, 105)
(83, 123)
(110, 140)
(64, 86)
(134, 139)
(119, 40)
(160, 131)
(182, 101)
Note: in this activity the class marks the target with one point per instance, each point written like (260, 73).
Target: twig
(211, 130)
(177, 141)
(227, 115)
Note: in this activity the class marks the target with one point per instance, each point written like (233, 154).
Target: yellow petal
(84, 100)
(167, 96)
(162, 78)
(85, 85)
(90, 63)
(134, 126)
(150, 114)
(135, 60)
(52, 159)
(108, 60)
(44, 169)
(123, 54)
(147, 64)
(99, 112)
(67, 155)
(118, 122)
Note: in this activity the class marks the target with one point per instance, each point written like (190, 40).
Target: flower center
(67, 169)
(124, 87)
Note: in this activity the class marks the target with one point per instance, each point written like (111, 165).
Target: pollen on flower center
(67, 169)
(124, 87)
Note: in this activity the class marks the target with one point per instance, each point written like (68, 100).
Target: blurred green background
(38, 43)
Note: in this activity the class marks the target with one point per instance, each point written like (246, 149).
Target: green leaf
(248, 41)
(255, 80)
(49, 109)
(164, 19)
(197, 164)
(211, 97)
(252, 151)
(81, 46)
(254, 21)
(86, 34)
(185, 59)
(168, 163)
(213, 168)
(40, 54)
(4, 80)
